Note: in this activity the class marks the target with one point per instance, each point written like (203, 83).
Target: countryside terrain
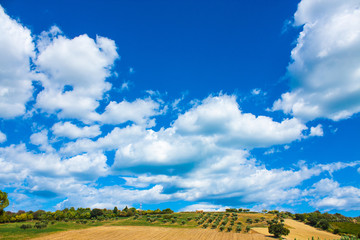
(130, 223)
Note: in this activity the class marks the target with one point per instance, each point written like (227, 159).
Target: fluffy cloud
(197, 134)
(138, 112)
(325, 71)
(111, 196)
(316, 131)
(2, 137)
(69, 130)
(41, 139)
(221, 118)
(330, 195)
(236, 176)
(16, 47)
(205, 207)
(74, 71)
(135, 145)
(19, 164)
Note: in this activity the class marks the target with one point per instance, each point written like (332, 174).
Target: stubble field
(150, 233)
(301, 231)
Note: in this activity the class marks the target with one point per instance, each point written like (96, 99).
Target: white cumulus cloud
(18, 164)
(69, 130)
(75, 72)
(2, 137)
(325, 68)
(316, 131)
(221, 117)
(16, 48)
(41, 139)
(139, 111)
(330, 195)
(206, 207)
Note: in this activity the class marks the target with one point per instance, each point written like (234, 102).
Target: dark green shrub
(278, 229)
(249, 220)
(323, 224)
(25, 226)
(300, 217)
(96, 213)
(40, 225)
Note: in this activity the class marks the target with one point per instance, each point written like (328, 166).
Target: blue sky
(188, 105)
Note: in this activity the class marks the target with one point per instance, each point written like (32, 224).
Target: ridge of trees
(77, 214)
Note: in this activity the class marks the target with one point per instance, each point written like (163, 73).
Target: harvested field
(149, 233)
(301, 231)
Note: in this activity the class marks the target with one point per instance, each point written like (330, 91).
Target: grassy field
(347, 227)
(11, 231)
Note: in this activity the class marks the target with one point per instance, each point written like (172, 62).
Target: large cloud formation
(204, 155)
(75, 71)
(17, 48)
(325, 68)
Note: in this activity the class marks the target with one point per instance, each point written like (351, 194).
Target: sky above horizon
(181, 104)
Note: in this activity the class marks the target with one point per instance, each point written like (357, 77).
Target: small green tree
(115, 210)
(167, 211)
(96, 213)
(323, 224)
(4, 201)
(25, 226)
(300, 217)
(278, 230)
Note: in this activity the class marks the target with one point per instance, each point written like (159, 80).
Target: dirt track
(301, 231)
(149, 233)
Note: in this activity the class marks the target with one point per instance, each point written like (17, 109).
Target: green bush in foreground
(40, 225)
(25, 226)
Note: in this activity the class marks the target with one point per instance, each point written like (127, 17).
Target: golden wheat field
(298, 231)
(150, 233)
(301, 231)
